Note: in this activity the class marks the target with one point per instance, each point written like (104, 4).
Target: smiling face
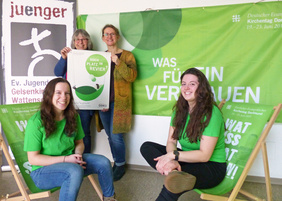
(110, 37)
(189, 85)
(61, 98)
(80, 42)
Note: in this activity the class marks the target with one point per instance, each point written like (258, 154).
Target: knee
(98, 161)
(75, 170)
(144, 147)
(103, 166)
(104, 162)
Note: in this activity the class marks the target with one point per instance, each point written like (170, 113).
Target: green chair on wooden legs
(13, 120)
(247, 128)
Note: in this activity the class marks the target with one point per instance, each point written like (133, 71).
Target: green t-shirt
(58, 144)
(215, 128)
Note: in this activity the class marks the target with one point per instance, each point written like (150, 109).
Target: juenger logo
(47, 13)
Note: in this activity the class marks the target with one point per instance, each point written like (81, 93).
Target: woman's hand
(115, 59)
(170, 166)
(162, 162)
(65, 51)
(75, 158)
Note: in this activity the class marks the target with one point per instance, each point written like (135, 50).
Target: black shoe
(114, 167)
(119, 171)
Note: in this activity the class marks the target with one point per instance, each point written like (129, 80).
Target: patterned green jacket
(124, 74)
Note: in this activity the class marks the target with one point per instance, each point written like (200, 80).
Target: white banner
(34, 32)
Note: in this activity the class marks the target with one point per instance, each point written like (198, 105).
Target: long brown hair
(48, 112)
(200, 115)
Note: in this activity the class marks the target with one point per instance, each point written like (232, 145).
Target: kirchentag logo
(36, 48)
(236, 18)
(4, 110)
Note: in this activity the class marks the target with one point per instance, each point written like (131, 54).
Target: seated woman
(54, 144)
(198, 125)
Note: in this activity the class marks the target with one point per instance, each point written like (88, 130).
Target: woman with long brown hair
(197, 124)
(54, 145)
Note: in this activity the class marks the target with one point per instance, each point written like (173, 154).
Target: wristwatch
(176, 153)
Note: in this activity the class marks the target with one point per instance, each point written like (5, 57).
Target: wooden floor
(134, 186)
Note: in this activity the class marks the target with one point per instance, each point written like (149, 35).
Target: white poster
(34, 32)
(89, 75)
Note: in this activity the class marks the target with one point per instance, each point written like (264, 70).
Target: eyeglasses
(80, 39)
(109, 34)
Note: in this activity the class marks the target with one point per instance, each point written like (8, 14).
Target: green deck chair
(13, 119)
(244, 137)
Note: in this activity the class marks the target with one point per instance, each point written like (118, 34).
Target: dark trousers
(85, 117)
(208, 174)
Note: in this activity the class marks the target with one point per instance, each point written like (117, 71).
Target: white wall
(155, 128)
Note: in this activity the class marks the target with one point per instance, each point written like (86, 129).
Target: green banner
(238, 48)
(14, 119)
(244, 125)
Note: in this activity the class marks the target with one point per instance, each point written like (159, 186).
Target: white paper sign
(89, 75)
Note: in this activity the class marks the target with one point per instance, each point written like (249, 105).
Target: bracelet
(64, 159)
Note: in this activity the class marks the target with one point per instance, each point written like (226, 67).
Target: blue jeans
(116, 140)
(69, 176)
(86, 116)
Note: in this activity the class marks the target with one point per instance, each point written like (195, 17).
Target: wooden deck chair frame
(261, 145)
(23, 193)
(23, 190)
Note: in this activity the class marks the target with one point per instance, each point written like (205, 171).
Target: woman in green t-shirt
(54, 145)
(197, 124)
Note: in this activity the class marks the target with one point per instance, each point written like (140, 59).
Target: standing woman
(198, 125)
(117, 119)
(54, 145)
(81, 41)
